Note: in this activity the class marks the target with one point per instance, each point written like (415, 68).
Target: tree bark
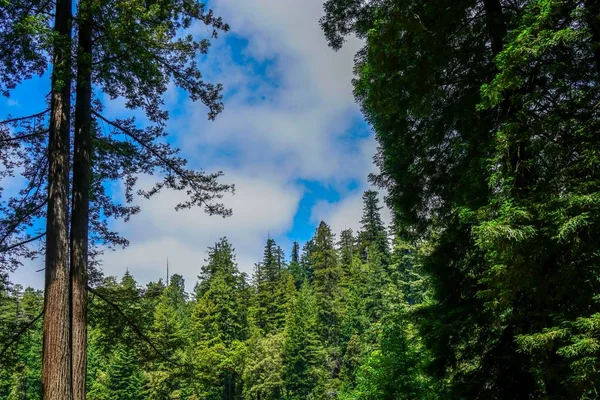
(593, 22)
(80, 203)
(495, 24)
(56, 363)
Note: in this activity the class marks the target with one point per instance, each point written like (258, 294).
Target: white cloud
(346, 213)
(269, 136)
(299, 125)
(292, 124)
(158, 232)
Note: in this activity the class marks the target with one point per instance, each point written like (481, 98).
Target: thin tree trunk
(56, 363)
(80, 205)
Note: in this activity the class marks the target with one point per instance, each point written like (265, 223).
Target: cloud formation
(289, 117)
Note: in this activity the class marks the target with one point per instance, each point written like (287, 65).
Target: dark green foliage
(327, 283)
(486, 116)
(347, 334)
(125, 378)
(268, 311)
(373, 232)
(347, 248)
(219, 325)
(296, 268)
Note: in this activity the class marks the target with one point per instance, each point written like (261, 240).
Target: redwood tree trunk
(56, 363)
(80, 205)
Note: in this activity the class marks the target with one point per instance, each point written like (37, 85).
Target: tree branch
(126, 131)
(21, 137)
(21, 219)
(24, 242)
(136, 329)
(20, 333)
(12, 120)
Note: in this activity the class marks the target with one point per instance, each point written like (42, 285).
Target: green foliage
(347, 334)
(303, 353)
(263, 373)
(485, 114)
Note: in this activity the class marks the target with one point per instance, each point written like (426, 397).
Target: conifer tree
(263, 372)
(328, 287)
(168, 334)
(327, 279)
(295, 267)
(125, 378)
(373, 232)
(269, 309)
(303, 354)
(305, 259)
(347, 248)
(480, 112)
(219, 325)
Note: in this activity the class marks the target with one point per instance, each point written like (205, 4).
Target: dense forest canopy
(485, 286)
(328, 321)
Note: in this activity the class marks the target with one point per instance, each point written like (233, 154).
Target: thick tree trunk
(495, 24)
(56, 364)
(80, 205)
(593, 22)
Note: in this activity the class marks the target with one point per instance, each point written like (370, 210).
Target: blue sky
(291, 139)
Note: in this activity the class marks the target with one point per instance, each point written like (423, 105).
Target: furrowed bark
(56, 363)
(80, 203)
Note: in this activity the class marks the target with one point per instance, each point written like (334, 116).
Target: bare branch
(21, 219)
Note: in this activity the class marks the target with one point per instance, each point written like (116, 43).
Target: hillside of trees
(332, 320)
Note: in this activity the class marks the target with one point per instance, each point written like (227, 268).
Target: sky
(291, 139)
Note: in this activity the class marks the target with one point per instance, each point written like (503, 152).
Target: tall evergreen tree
(295, 267)
(373, 230)
(482, 113)
(269, 308)
(327, 279)
(303, 354)
(219, 325)
(328, 286)
(305, 259)
(347, 248)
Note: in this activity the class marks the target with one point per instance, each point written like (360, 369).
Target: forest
(332, 319)
(484, 286)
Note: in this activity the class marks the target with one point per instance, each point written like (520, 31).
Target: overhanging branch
(19, 334)
(13, 120)
(136, 329)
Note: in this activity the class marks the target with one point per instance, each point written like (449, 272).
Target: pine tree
(270, 282)
(373, 232)
(125, 379)
(295, 267)
(263, 371)
(347, 248)
(168, 333)
(219, 325)
(305, 259)
(328, 285)
(303, 354)
(327, 280)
